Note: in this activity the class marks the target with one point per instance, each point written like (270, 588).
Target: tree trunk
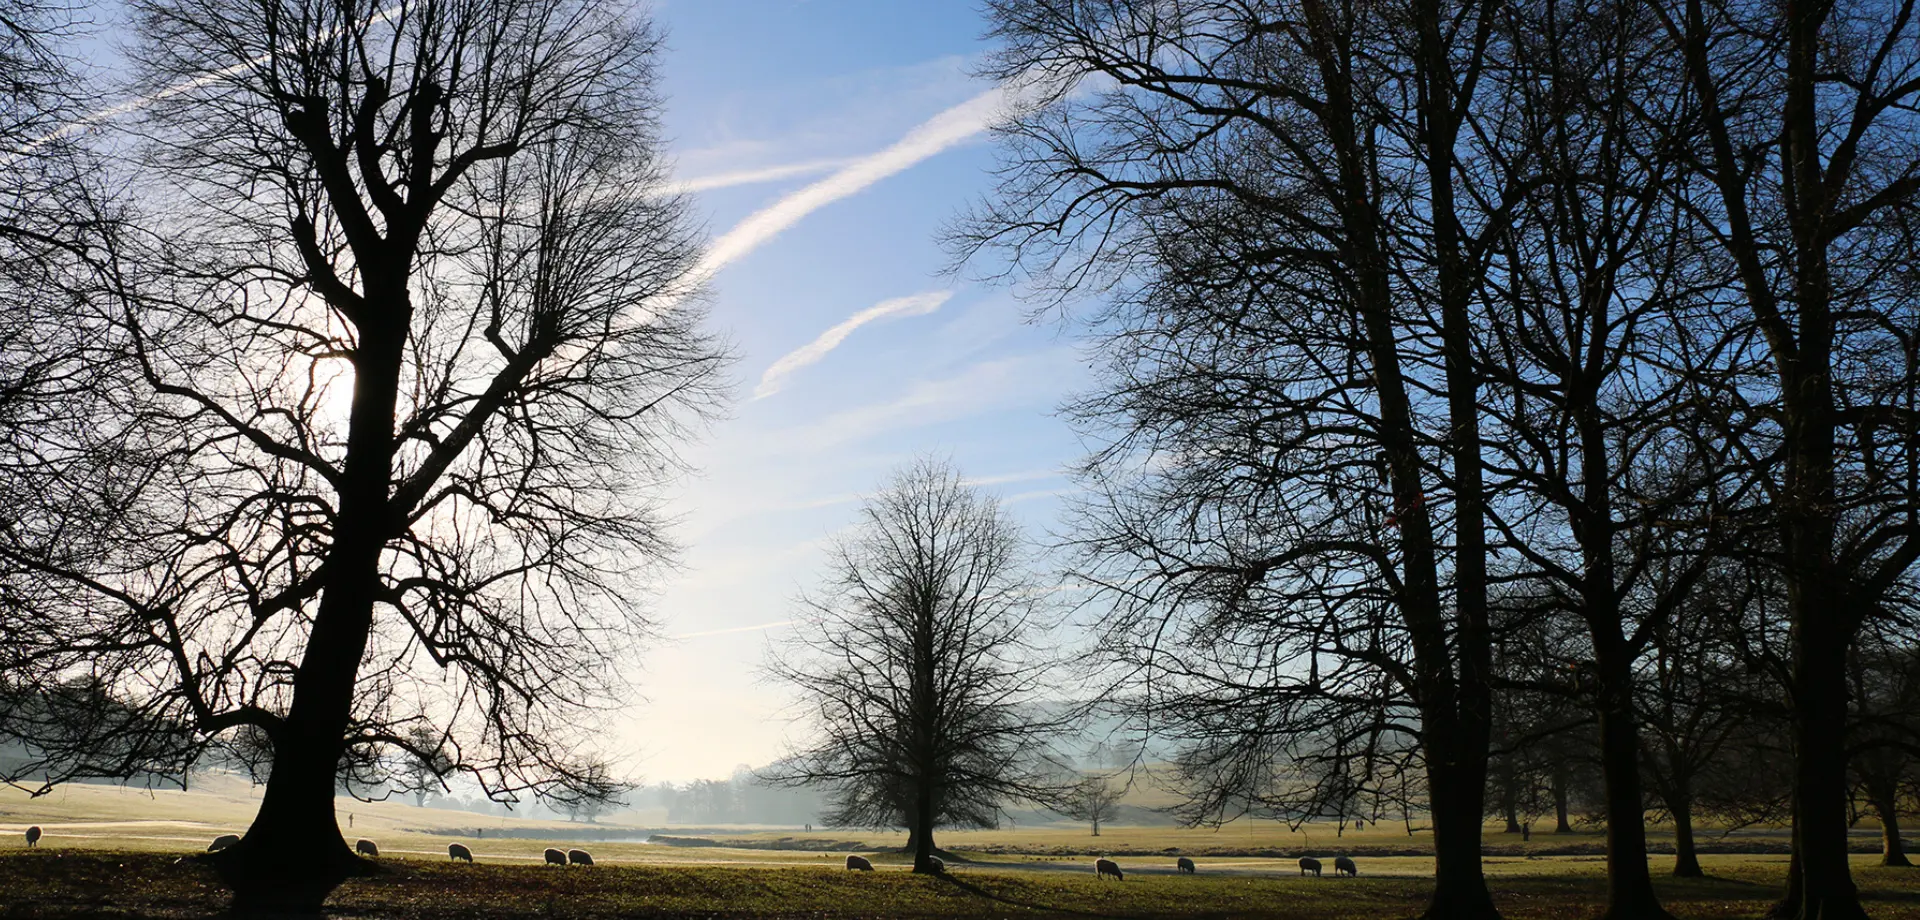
(1820, 886)
(1510, 797)
(1686, 860)
(1457, 799)
(1819, 882)
(1886, 803)
(293, 855)
(1629, 880)
(922, 834)
(1560, 823)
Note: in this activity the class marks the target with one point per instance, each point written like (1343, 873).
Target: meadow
(116, 852)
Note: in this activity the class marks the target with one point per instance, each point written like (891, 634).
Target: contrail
(737, 629)
(930, 137)
(912, 305)
(136, 104)
(750, 176)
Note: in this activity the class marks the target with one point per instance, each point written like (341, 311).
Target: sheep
(1344, 866)
(1309, 864)
(33, 836)
(556, 857)
(1184, 865)
(458, 851)
(937, 864)
(580, 857)
(859, 864)
(1104, 867)
(222, 842)
(366, 848)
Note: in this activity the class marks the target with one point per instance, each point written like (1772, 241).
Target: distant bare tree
(916, 670)
(411, 337)
(1093, 800)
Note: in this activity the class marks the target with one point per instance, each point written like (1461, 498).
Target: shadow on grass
(980, 892)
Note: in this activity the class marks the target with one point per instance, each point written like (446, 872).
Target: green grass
(67, 883)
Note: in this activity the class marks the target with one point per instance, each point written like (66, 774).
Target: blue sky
(911, 361)
(826, 141)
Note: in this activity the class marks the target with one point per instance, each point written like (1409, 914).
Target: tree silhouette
(915, 667)
(410, 337)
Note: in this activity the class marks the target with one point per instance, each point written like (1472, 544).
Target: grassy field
(112, 851)
(67, 883)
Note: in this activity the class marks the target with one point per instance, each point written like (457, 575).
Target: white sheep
(458, 851)
(1104, 867)
(859, 864)
(579, 857)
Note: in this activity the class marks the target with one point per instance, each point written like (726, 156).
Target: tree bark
(1686, 859)
(1820, 881)
(1560, 823)
(1629, 881)
(1457, 793)
(1510, 797)
(1886, 805)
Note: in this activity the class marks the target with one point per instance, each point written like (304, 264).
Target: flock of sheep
(1102, 867)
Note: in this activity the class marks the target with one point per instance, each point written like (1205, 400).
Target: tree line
(1466, 356)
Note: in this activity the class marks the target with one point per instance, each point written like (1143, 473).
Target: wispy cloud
(930, 137)
(752, 176)
(912, 305)
(1001, 383)
(1006, 478)
(737, 629)
(138, 103)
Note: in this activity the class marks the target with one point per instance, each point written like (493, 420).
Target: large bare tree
(920, 684)
(411, 338)
(1806, 148)
(1282, 201)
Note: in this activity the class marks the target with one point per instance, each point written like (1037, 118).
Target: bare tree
(916, 669)
(1093, 800)
(1804, 142)
(411, 340)
(1282, 200)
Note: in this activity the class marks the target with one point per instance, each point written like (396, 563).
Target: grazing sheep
(366, 848)
(1105, 867)
(222, 842)
(1344, 866)
(859, 864)
(556, 857)
(458, 851)
(580, 857)
(937, 864)
(1309, 864)
(1184, 865)
(33, 836)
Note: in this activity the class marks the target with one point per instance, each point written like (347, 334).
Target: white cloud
(751, 176)
(912, 305)
(757, 627)
(988, 385)
(1007, 478)
(931, 137)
